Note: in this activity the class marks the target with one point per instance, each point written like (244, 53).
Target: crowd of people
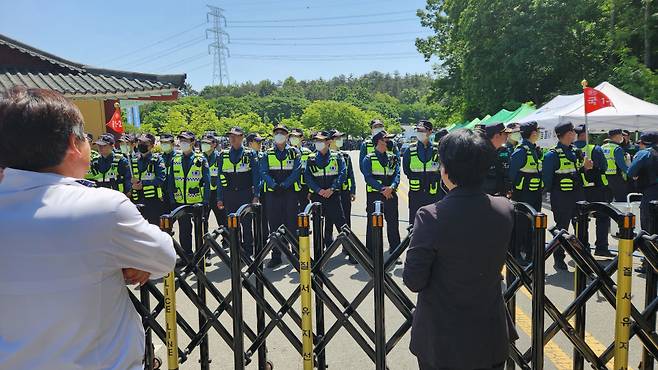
(74, 212)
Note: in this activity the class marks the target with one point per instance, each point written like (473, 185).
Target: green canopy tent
(523, 111)
(501, 116)
(456, 126)
(477, 121)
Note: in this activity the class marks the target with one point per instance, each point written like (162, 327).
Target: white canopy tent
(628, 113)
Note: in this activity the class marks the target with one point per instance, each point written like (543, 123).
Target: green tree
(328, 114)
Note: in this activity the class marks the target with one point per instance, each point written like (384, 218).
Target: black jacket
(454, 262)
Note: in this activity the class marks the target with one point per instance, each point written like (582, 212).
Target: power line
(326, 56)
(182, 61)
(328, 37)
(346, 59)
(324, 43)
(151, 57)
(331, 24)
(155, 43)
(323, 18)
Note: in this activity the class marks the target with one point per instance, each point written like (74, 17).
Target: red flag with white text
(115, 122)
(595, 100)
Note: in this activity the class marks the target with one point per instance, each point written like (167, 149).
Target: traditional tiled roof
(78, 80)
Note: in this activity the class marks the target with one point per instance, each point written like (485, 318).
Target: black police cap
(563, 127)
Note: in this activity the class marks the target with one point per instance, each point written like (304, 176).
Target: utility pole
(218, 47)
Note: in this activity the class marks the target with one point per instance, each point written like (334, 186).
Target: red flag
(115, 122)
(595, 100)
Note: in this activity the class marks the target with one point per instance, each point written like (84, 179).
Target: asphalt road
(344, 352)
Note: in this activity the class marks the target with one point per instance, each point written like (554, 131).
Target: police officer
(367, 147)
(296, 137)
(325, 174)
(127, 144)
(595, 184)
(617, 167)
(630, 148)
(239, 182)
(209, 149)
(348, 188)
(255, 143)
(280, 169)
(111, 170)
(420, 163)
(92, 157)
(645, 168)
(497, 181)
(526, 175)
(149, 174)
(167, 155)
(190, 184)
(381, 170)
(563, 167)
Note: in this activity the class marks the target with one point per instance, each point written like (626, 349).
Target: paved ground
(343, 352)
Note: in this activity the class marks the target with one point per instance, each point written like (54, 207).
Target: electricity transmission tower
(218, 47)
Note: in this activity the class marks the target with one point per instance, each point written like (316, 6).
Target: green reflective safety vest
(236, 176)
(568, 172)
(430, 167)
(188, 188)
(306, 152)
(280, 170)
(348, 165)
(148, 174)
(530, 173)
(383, 174)
(326, 175)
(111, 178)
(91, 172)
(602, 180)
(609, 153)
(213, 168)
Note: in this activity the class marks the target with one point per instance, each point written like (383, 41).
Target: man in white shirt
(67, 250)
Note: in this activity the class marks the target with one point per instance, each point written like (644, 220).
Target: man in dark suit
(454, 262)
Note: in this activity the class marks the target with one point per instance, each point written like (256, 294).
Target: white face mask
(206, 148)
(295, 141)
(185, 147)
(125, 148)
(377, 130)
(516, 136)
(339, 143)
(166, 147)
(279, 138)
(422, 136)
(319, 146)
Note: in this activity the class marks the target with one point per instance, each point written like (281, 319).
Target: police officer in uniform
(111, 170)
(367, 147)
(420, 163)
(526, 175)
(381, 170)
(348, 188)
(595, 184)
(280, 169)
(497, 181)
(645, 168)
(239, 182)
(443, 189)
(616, 159)
(325, 174)
(255, 143)
(94, 154)
(167, 155)
(296, 137)
(149, 174)
(562, 172)
(209, 149)
(190, 184)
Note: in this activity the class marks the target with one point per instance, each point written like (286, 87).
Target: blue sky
(269, 39)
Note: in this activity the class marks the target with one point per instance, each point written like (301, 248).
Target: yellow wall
(93, 112)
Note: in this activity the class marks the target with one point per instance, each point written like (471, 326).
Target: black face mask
(143, 148)
(389, 145)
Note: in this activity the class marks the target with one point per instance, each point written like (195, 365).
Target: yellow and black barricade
(303, 230)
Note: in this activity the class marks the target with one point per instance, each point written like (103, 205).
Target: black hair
(47, 118)
(526, 134)
(466, 157)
